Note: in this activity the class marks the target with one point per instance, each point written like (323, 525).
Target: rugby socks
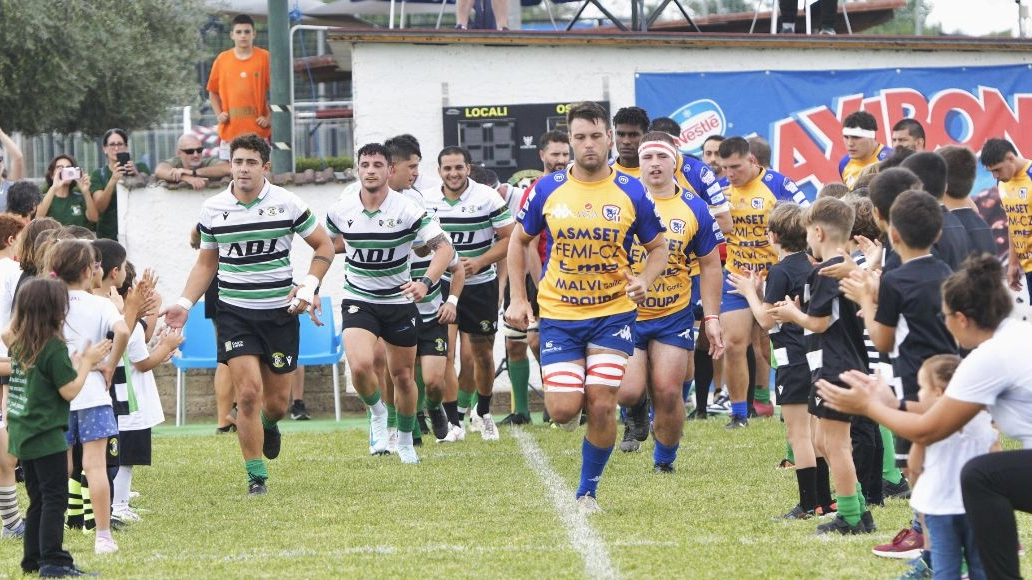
(663, 454)
(806, 479)
(739, 410)
(789, 452)
(860, 497)
(465, 401)
(686, 391)
(849, 508)
(519, 376)
(375, 404)
(392, 416)
(420, 390)
(451, 409)
(88, 523)
(75, 517)
(266, 423)
(890, 472)
(406, 424)
(123, 482)
(9, 507)
(762, 394)
(593, 462)
(256, 469)
(823, 483)
(484, 405)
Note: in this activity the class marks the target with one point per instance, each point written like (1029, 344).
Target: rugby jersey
(840, 347)
(849, 168)
(747, 247)
(254, 241)
(697, 177)
(634, 172)
(470, 222)
(588, 228)
(689, 233)
(1014, 197)
(377, 245)
(787, 278)
(430, 303)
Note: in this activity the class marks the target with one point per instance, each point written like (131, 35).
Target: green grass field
(475, 509)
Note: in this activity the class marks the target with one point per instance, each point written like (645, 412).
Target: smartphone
(71, 173)
(123, 157)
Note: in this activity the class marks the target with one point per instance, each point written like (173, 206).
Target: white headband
(657, 146)
(857, 132)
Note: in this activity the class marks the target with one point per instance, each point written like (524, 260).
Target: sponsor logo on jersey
(757, 203)
(677, 226)
(611, 212)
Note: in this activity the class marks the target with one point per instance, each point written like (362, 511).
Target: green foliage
(320, 163)
(70, 66)
(902, 23)
(473, 510)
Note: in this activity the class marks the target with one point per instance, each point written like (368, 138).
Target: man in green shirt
(189, 166)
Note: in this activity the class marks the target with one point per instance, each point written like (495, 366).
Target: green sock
(465, 399)
(74, 501)
(392, 416)
(789, 452)
(889, 471)
(372, 399)
(762, 395)
(519, 375)
(860, 496)
(849, 508)
(266, 423)
(420, 390)
(406, 423)
(256, 469)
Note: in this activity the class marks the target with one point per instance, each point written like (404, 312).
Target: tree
(68, 65)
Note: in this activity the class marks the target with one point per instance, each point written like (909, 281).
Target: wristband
(306, 291)
(706, 319)
(185, 303)
(453, 300)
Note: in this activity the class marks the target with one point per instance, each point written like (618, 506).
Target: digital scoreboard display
(504, 138)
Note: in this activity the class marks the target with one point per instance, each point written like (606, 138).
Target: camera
(71, 173)
(123, 158)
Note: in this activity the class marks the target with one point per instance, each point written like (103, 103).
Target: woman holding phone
(64, 200)
(120, 167)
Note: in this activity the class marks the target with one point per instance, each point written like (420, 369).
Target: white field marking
(582, 536)
(432, 548)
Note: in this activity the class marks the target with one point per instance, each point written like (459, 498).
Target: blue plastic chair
(196, 352)
(322, 345)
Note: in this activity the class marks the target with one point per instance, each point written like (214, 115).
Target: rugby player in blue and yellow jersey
(860, 134)
(664, 330)
(589, 215)
(752, 191)
(1001, 158)
(629, 126)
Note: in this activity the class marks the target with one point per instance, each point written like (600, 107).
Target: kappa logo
(611, 212)
(562, 211)
(624, 333)
(757, 203)
(677, 226)
(687, 334)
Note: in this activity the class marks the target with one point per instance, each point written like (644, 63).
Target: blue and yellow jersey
(634, 172)
(747, 247)
(1014, 197)
(697, 177)
(850, 168)
(689, 233)
(588, 230)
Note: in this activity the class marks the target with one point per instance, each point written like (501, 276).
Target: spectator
(64, 200)
(22, 199)
(908, 133)
(11, 157)
(239, 86)
(500, 8)
(104, 179)
(190, 166)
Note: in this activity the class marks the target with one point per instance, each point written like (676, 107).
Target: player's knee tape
(606, 369)
(564, 377)
(513, 333)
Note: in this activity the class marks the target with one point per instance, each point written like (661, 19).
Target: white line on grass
(584, 538)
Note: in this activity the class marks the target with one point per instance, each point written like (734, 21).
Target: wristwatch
(427, 282)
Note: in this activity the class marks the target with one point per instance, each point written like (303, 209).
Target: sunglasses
(194, 151)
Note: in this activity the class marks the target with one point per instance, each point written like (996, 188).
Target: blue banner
(800, 112)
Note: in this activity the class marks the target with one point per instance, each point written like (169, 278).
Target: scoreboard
(504, 138)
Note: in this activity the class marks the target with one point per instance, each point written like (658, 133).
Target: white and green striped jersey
(378, 245)
(253, 241)
(470, 222)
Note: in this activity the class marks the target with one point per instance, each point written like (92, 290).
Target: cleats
(439, 422)
(721, 404)
(455, 433)
(488, 429)
(797, 513)
(664, 468)
(272, 443)
(298, 412)
(737, 423)
(636, 427)
(14, 533)
(256, 486)
(392, 440)
(841, 526)
(476, 423)
(587, 505)
(899, 490)
(378, 434)
(407, 454)
(516, 419)
(52, 571)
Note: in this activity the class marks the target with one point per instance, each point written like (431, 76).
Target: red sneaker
(907, 545)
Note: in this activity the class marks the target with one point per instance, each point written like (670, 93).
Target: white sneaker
(407, 454)
(392, 440)
(104, 546)
(125, 514)
(476, 423)
(588, 505)
(489, 432)
(455, 433)
(378, 436)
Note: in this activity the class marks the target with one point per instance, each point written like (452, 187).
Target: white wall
(401, 87)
